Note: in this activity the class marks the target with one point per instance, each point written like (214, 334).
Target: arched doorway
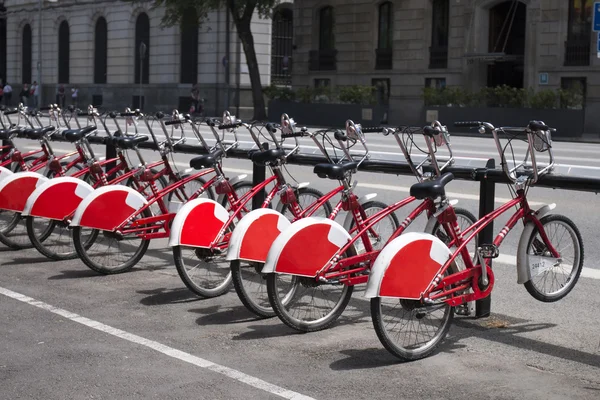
(507, 39)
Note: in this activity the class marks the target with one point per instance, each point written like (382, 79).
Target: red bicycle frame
(469, 277)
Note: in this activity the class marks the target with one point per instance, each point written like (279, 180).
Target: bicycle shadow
(215, 315)
(28, 260)
(75, 274)
(162, 296)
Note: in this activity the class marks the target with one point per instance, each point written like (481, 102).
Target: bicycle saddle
(73, 135)
(5, 134)
(267, 156)
(431, 189)
(334, 171)
(126, 143)
(38, 132)
(206, 160)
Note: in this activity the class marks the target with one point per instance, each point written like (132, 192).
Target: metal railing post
(259, 174)
(487, 194)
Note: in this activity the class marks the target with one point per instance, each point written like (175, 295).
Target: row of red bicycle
(290, 257)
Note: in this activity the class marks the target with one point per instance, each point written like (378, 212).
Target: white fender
(349, 217)
(198, 223)
(305, 247)
(232, 182)
(433, 220)
(4, 173)
(57, 198)
(15, 189)
(108, 207)
(255, 233)
(523, 267)
(280, 205)
(407, 266)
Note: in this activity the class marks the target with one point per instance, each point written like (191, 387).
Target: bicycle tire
(259, 303)
(573, 277)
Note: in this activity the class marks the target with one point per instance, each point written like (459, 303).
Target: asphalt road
(66, 332)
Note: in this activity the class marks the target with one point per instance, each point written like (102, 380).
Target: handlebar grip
(372, 129)
(229, 126)
(173, 122)
(112, 114)
(160, 115)
(430, 131)
(468, 124)
(339, 135)
(538, 126)
(271, 128)
(292, 135)
(129, 114)
(45, 108)
(13, 111)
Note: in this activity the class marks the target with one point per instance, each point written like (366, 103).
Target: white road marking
(591, 273)
(161, 348)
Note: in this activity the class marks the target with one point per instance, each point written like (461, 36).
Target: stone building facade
(405, 45)
(95, 46)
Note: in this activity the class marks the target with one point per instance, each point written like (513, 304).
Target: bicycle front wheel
(552, 278)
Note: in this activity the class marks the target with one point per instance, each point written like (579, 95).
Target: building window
(100, 51)
(577, 46)
(383, 56)
(438, 52)
(26, 55)
(573, 93)
(142, 48)
(282, 39)
(189, 47)
(382, 90)
(63, 52)
(435, 83)
(2, 46)
(324, 59)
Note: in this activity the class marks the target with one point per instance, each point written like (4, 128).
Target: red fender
(16, 189)
(407, 266)
(198, 223)
(305, 247)
(108, 207)
(57, 199)
(255, 233)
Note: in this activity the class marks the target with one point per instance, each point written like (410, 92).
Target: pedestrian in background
(60, 96)
(34, 93)
(24, 95)
(7, 92)
(74, 94)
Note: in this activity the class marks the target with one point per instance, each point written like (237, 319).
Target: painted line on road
(585, 272)
(159, 347)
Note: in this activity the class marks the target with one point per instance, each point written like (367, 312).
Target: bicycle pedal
(488, 251)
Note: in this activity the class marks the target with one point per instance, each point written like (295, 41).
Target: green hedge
(355, 94)
(503, 96)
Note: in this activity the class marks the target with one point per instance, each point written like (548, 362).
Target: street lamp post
(142, 58)
(39, 63)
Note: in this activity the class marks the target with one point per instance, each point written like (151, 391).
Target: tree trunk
(245, 34)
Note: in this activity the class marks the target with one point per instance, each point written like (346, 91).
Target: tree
(241, 13)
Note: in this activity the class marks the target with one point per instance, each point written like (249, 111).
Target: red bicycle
(417, 281)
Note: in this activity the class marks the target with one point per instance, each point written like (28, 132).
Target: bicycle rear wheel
(97, 256)
(249, 283)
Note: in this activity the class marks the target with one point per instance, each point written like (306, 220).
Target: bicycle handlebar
(173, 122)
(231, 126)
(9, 112)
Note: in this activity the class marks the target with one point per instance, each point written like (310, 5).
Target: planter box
(568, 123)
(327, 115)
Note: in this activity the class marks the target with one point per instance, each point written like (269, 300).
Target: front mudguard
(523, 268)
(57, 198)
(108, 207)
(198, 223)
(15, 189)
(407, 266)
(255, 233)
(306, 247)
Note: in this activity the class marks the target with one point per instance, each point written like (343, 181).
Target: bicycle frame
(468, 278)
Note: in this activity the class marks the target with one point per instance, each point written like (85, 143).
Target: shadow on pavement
(28, 260)
(258, 332)
(213, 315)
(162, 296)
(76, 274)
